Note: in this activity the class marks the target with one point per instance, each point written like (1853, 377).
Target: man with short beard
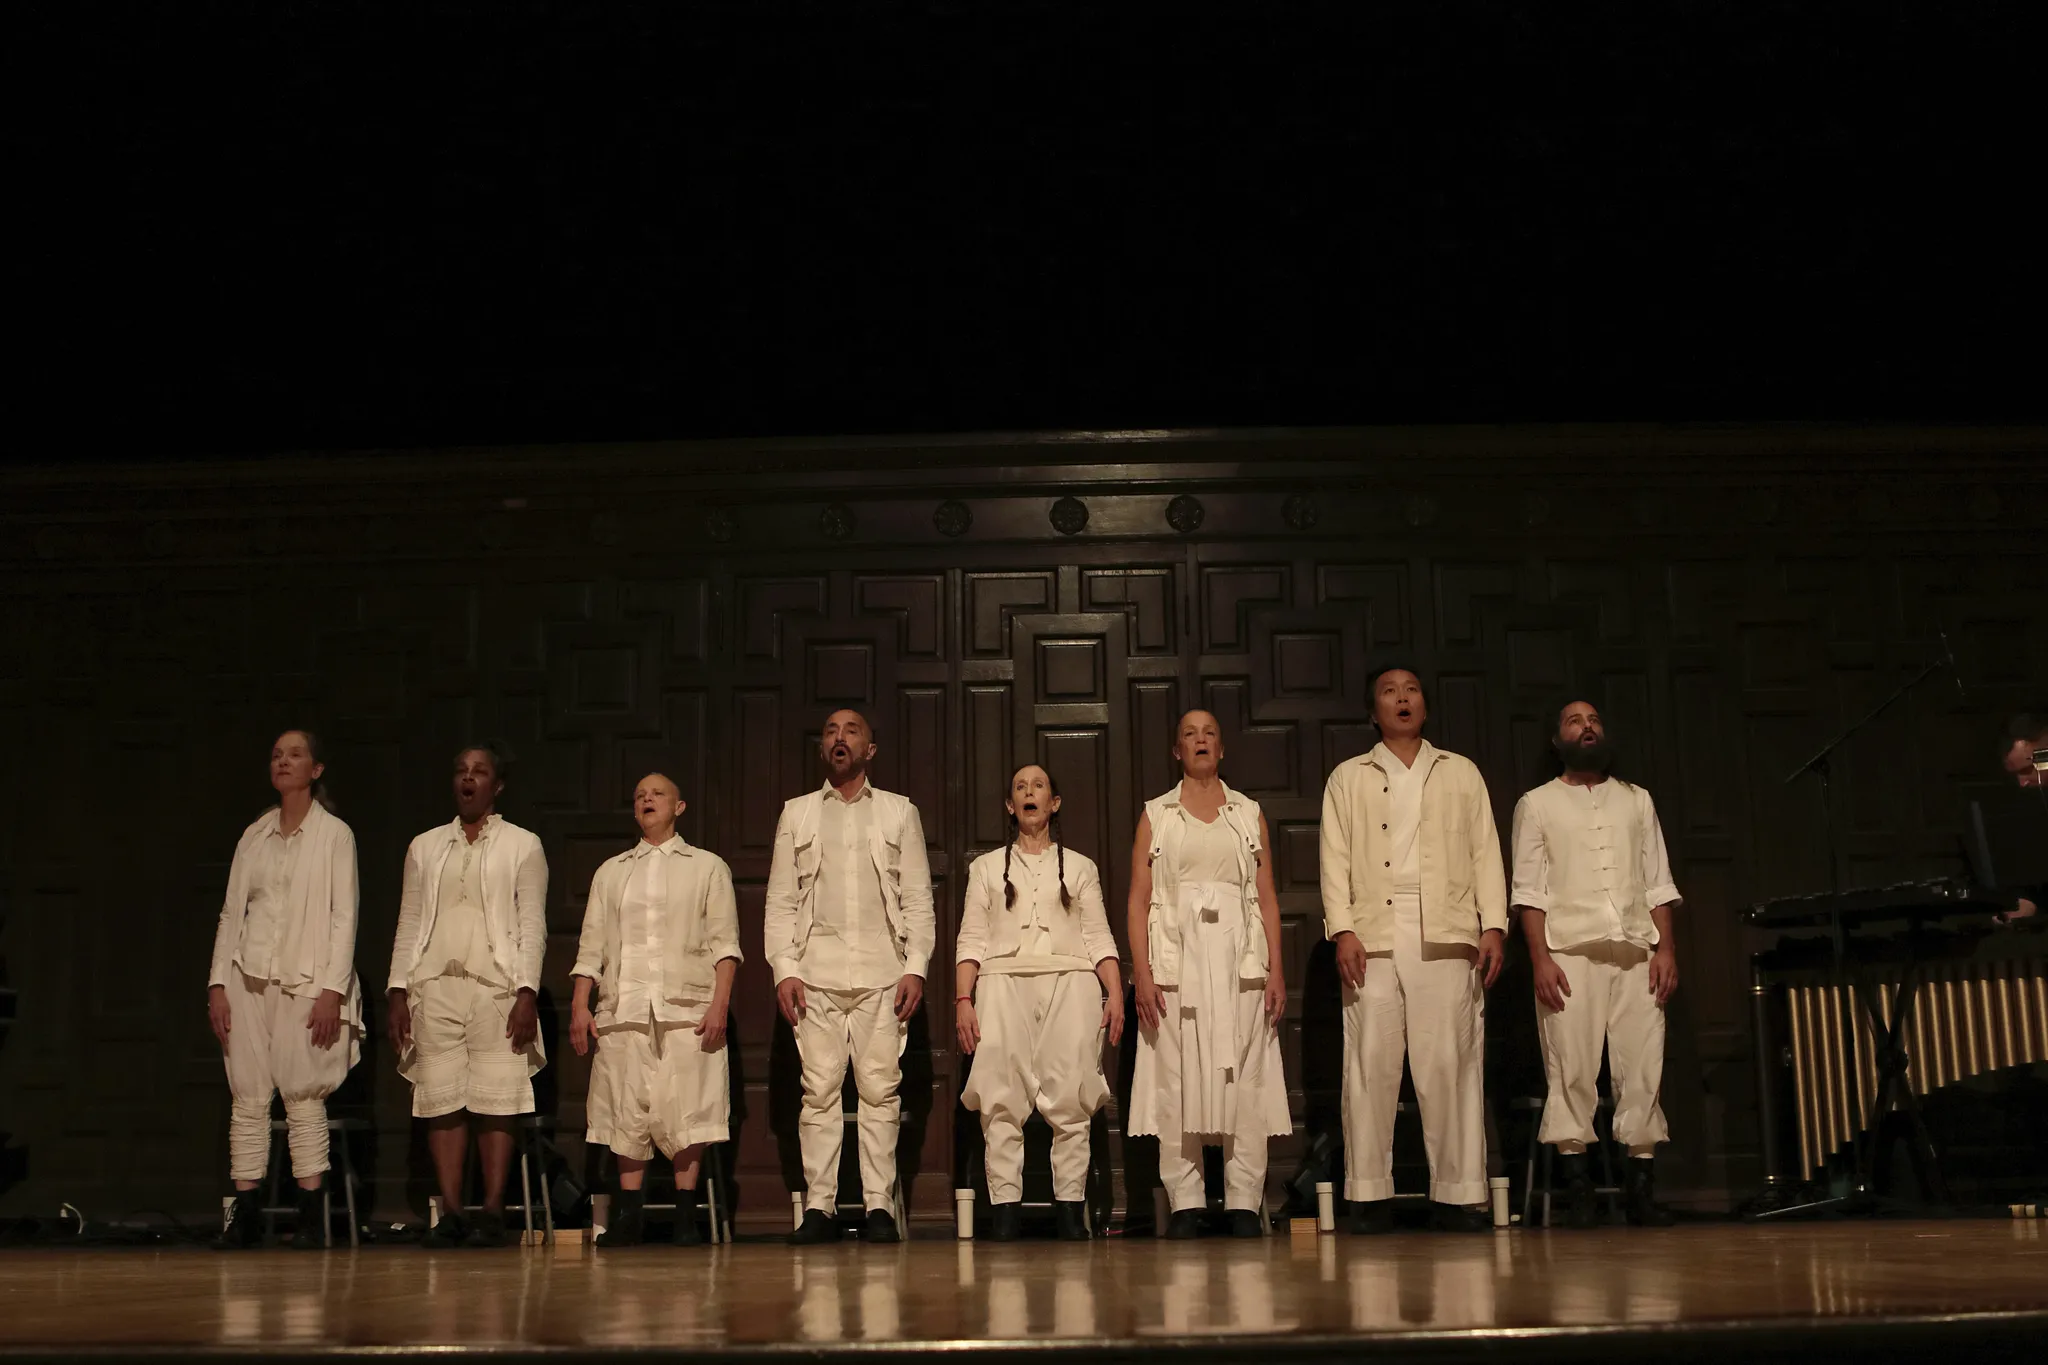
(849, 930)
(1593, 888)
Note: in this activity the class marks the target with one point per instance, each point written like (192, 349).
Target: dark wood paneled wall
(1730, 596)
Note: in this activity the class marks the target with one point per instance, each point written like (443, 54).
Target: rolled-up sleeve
(722, 915)
(1489, 878)
(590, 945)
(972, 943)
(1532, 857)
(1656, 871)
(1096, 935)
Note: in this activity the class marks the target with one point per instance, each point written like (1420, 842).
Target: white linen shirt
(794, 905)
(851, 946)
(642, 907)
(1037, 934)
(658, 921)
(1593, 860)
(275, 859)
(1404, 781)
(512, 889)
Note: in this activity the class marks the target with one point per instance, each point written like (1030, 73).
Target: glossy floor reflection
(937, 1291)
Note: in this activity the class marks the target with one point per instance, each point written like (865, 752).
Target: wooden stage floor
(1881, 1289)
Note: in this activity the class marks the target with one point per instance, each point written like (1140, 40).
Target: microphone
(1953, 671)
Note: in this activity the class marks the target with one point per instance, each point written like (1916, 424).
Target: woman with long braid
(1037, 988)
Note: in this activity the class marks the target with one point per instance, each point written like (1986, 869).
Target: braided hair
(1009, 887)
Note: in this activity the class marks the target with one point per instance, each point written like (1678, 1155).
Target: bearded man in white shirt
(465, 966)
(1594, 892)
(660, 947)
(1414, 901)
(849, 931)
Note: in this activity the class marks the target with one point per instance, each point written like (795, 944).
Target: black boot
(1005, 1222)
(1457, 1218)
(310, 1231)
(1184, 1225)
(1581, 1200)
(818, 1226)
(1641, 1189)
(487, 1229)
(451, 1231)
(245, 1223)
(629, 1220)
(880, 1228)
(1372, 1218)
(686, 1233)
(1245, 1222)
(1070, 1220)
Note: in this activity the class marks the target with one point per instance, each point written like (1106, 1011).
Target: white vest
(1169, 828)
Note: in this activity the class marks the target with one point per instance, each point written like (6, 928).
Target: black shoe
(1372, 1218)
(1184, 1225)
(487, 1229)
(245, 1223)
(686, 1233)
(1457, 1218)
(818, 1226)
(451, 1231)
(1070, 1220)
(1005, 1222)
(1641, 1188)
(1246, 1223)
(629, 1220)
(310, 1231)
(880, 1228)
(1581, 1200)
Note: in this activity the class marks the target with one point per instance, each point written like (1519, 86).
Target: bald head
(657, 804)
(847, 745)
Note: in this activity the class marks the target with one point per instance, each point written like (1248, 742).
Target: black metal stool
(530, 1138)
(338, 1151)
(1537, 1170)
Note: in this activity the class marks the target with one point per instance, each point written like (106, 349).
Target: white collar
(675, 843)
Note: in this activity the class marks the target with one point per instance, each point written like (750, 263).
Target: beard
(1585, 758)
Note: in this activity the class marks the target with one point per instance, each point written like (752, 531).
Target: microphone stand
(1858, 1199)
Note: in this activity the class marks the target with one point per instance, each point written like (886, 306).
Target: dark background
(1412, 264)
(318, 225)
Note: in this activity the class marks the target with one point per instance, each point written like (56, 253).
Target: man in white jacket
(660, 946)
(1594, 891)
(465, 966)
(849, 933)
(1414, 899)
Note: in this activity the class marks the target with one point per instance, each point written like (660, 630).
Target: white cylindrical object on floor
(1499, 1186)
(227, 1210)
(1326, 1206)
(963, 1214)
(433, 1210)
(600, 1215)
(796, 1208)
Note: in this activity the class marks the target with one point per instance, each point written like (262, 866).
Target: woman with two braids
(1037, 988)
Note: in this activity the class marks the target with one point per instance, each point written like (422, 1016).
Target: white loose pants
(460, 1057)
(859, 1028)
(1041, 1048)
(1611, 1002)
(1424, 1001)
(653, 1085)
(270, 1051)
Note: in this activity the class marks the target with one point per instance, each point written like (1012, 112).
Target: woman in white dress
(1036, 989)
(1205, 966)
(282, 995)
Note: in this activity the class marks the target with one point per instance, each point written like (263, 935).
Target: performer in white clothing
(465, 966)
(849, 931)
(1594, 893)
(1414, 902)
(660, 946)
(1205, 968)
(282, 994)
(1035, 941)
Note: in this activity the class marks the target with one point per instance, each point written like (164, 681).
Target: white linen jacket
(1162, 925)
(990, 931)
(316, 948)
(1464, 883)
(897, 845)
(515, 883)
(702, 928)
(1591, 874)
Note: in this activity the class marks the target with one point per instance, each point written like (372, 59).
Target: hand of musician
(522, 1021)
(582, 1028)
(909, 997)
(323, 1021)
(1492, 952)
(1151, 1000)
(1553, 987)
(220, 1014)
(1113, 1016)
(1663, 973)
(1276, 998)
(1350, 959)
(711, 1028)
(789, 997)
(966, 1027)
(2023, 909)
